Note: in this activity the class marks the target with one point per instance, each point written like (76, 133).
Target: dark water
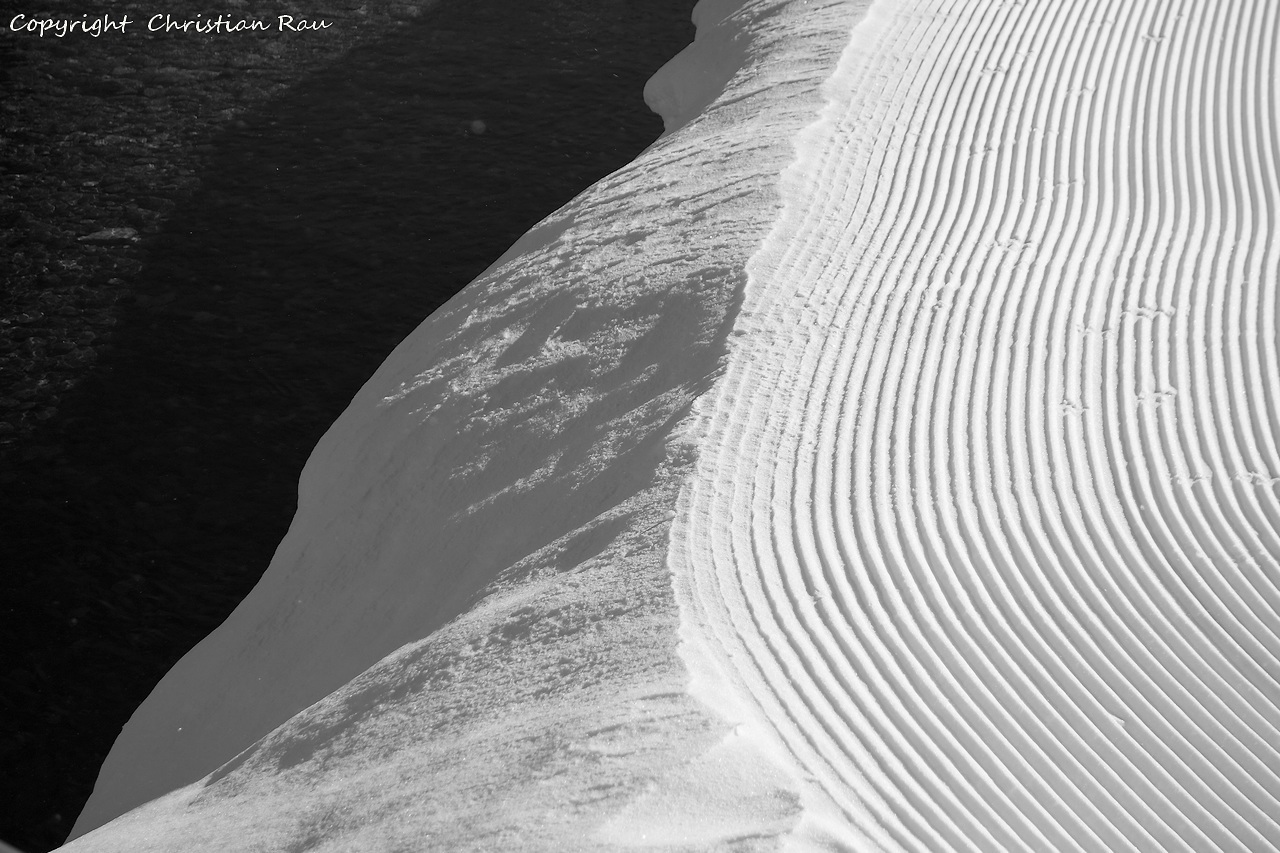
(329, 225)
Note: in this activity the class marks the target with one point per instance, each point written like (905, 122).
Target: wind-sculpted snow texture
(985, 530)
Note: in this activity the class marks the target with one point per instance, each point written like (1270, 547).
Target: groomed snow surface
(886, 459)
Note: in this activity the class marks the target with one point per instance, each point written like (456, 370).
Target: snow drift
(469, 634)
(933, 366)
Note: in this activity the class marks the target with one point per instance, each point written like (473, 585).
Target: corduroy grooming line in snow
(986, 518)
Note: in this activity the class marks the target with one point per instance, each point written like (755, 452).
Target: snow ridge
(467, 640)
(984, 537)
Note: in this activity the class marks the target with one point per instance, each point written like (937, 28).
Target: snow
(966, 520)
(885, 459)
(470, 631)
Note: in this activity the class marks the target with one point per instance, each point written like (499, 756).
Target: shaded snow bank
(697, 75)
(467, 638)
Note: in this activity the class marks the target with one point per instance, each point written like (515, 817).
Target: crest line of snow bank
(985, 533)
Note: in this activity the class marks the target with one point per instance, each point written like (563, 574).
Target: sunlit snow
(885, 459)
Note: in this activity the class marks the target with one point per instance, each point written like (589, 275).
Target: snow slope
(985, 518)
(467, 639)
(933, 365)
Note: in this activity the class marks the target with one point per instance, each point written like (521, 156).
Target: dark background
(298, 203)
